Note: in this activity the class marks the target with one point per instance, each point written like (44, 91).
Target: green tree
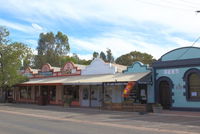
(95, 55)
(131, 57)
(103, 56)
(77, 60)
(11, 57)
(50, 48)
(110, 57)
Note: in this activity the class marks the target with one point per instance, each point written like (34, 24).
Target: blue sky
(151, 26)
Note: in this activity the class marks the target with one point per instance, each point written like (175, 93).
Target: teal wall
(150, 94)
(137, 67)
(182, 53)
(176, 75)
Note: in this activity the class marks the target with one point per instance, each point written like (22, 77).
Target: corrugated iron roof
(88, 79)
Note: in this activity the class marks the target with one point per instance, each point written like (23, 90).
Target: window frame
(187, 84)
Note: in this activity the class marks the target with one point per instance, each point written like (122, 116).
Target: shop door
(164, 94)
(44, 95)
(96, 96)
(85, 97)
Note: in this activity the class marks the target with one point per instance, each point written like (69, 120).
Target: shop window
(37, 92)
(52, 90)
(25, 92)
(194, 86)
(71, 91)
(29, 93)
(108, 93)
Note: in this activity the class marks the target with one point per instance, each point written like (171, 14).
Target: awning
(87, 79)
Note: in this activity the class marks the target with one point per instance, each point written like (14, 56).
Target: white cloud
(85, 56)
(37, 27)
(176, 14)
(16, 26)
(182, 42)
(167, 16)
(120, 45)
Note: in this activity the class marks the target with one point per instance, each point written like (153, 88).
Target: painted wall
(98, 66)
(137, 67)
(176, 75)
(150, 94)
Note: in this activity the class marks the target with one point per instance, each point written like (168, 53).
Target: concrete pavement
(105, 121)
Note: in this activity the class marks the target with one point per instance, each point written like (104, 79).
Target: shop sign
(113, 83)
(171, 71)
(46, 73)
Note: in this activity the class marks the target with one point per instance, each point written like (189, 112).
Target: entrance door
(164, 94)
(44, 95)
(85, 97)
(96, 96)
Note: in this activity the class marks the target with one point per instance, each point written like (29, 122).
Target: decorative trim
(140, 64)
(185, 79)
(177, 63)
(74, 67)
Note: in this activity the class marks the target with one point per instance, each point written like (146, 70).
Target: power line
(165, 6)
(182, 3)
(189, 48)
(195, 3)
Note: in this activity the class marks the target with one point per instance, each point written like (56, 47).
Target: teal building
(144, 85)
(176, 78)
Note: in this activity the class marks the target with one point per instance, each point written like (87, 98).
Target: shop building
(99, 84)
(173, 81)
(41, 91)
(177, 79)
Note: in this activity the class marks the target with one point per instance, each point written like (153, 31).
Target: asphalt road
(18, 120)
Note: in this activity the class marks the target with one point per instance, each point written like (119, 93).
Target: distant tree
(103, 56)
(131, 57)
(76, 58)
(110, 57)
(50, 48)
(95, 55)
(65, 59)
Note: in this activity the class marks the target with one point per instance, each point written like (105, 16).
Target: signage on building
(171, 71)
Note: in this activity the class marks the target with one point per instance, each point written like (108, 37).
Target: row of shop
(83, 92)
(173, 81)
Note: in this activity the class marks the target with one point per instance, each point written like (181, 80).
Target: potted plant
(67, 101)
(157, 108)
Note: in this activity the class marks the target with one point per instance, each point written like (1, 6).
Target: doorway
(44, 98)
(164, 94)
